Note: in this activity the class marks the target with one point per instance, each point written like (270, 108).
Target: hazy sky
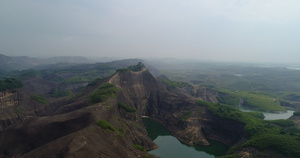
(222, 30)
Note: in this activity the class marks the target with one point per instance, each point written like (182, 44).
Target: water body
(273, 116)
(171, 147)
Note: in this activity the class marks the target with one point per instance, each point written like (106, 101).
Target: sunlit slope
(261, 102)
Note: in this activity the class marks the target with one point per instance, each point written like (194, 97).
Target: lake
(171, 147)
(273, 116)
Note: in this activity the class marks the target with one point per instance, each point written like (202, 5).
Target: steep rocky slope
(176, 111)
(15, 105)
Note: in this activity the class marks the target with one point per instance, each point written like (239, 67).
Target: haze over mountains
(8, 63)
(232, 30)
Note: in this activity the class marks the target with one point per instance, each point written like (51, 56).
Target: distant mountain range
(9, 63)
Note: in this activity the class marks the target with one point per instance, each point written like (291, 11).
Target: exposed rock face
(143, 91)
(75, 134)
(202, 93)
(8, 101)
(14, 105)
(198, 92)
(147, 95)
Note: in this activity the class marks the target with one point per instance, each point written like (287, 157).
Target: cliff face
(9, 101)
(177, 111)
(198, 92)
(14, 106)
(202, 93)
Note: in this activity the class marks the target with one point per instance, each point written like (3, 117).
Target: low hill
(9, 63)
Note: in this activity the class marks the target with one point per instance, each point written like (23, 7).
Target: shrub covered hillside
(279, 136)
(137, 67)
(10, 83)
(103, 92)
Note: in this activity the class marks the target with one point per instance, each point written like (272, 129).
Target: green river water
(273, 116)
(171, 147)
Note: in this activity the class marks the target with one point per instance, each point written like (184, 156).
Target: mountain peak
(139, 82)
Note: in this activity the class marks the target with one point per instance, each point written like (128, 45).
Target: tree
(137, 67)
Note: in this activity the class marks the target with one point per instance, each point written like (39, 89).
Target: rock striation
(14, 106)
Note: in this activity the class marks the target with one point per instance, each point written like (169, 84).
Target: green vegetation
(284, 143)
(137, 67)
(203, 103)
(76, 79)
(291, 96)
(136, 125)
(9, 84)
(185, 116)
(122, 70)
(257, 114)
(262, 102)
(52, 76)
(104, 67)
(264, 134)
(126, 107)
(105, 125)
(103, 92)
(229, 99)
(81, 73)
(146, 71)
(258, 101)
(297, 113)
(283, 123)
(58, 93)
(19, 110)
(232, 76)
(139, 147)
(39, 99)
(29, 73)
(272, 81)
(95, 82)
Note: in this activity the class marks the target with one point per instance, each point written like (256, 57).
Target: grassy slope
(265, 135)
(277, 80)
(262, 102)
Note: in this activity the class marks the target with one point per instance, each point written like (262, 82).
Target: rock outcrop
(14, 106)
(145, 93)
